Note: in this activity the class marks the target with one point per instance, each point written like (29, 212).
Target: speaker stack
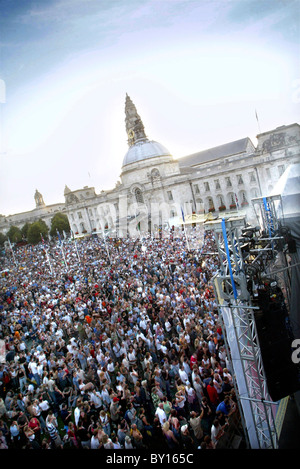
(275, 339)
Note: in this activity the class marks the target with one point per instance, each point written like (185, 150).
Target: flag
(182, 215)
(9, 243)
(236, 201)
(257, 120)
(43, 241)
(12, 251)
(60, 241)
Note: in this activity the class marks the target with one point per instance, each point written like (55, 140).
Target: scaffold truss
(241, 339)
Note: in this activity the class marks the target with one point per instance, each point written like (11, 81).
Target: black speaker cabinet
(272, 324)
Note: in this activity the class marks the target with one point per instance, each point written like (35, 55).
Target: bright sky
(195, 69)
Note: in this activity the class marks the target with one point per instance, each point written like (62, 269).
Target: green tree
(14, 234)
(59, 223)
(44, 226)
(24, 230)
(3, 238)
(35, 231)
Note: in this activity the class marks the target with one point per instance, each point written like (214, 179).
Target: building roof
(144, 150)
(221, 151)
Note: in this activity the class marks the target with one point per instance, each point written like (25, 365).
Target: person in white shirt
(161, 414)
(143, 323)
(32, 366)
(95, 397)
(131, 356)
(44, 406)
(95, 443)
(116, 349)
(42, 358)
(77, 411)
(216, 431)
(168, 326)
(183, 375)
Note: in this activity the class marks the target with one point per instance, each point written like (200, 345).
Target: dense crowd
(113, 343)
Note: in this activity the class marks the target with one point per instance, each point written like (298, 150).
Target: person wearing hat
(128, 443)
(114, 410)
(188, 442)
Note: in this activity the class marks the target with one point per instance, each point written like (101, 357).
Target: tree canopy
(59, 223)
(35, 231)
(25, 229)
(3, 238)
(14, 234)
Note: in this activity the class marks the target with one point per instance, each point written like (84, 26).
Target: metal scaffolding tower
(241, 340)
(268, 211)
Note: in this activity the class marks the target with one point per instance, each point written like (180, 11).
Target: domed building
(155, 188)
(147, 169)
(141, 149)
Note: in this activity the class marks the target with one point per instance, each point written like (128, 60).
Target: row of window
(228, 182)
(240, 180)
(219, 202)
(280, 170)
(217, 186)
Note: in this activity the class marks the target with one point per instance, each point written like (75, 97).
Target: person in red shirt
(34, 424)
(193, 360)
(212, 394)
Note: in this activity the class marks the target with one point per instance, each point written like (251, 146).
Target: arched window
(139, 196)
(231, 198)
(210, 204)
(199, 206)
(155, 173)
(220, 201)
(173, 211)
(243, 198)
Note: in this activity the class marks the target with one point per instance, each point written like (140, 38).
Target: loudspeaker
(283, 382)
(275, 340)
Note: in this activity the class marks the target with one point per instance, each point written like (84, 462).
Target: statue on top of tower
(39, 201)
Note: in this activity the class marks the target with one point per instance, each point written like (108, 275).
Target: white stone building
(40, 212)
(155, 187)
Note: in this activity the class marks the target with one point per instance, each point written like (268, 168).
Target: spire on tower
(134, 125)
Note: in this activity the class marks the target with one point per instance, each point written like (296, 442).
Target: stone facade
(40, 212)
(219, 180)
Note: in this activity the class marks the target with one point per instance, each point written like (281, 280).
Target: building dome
(144, 150)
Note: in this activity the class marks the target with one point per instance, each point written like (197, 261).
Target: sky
(198, 71)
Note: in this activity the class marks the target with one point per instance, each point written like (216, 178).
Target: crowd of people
(113, 343)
